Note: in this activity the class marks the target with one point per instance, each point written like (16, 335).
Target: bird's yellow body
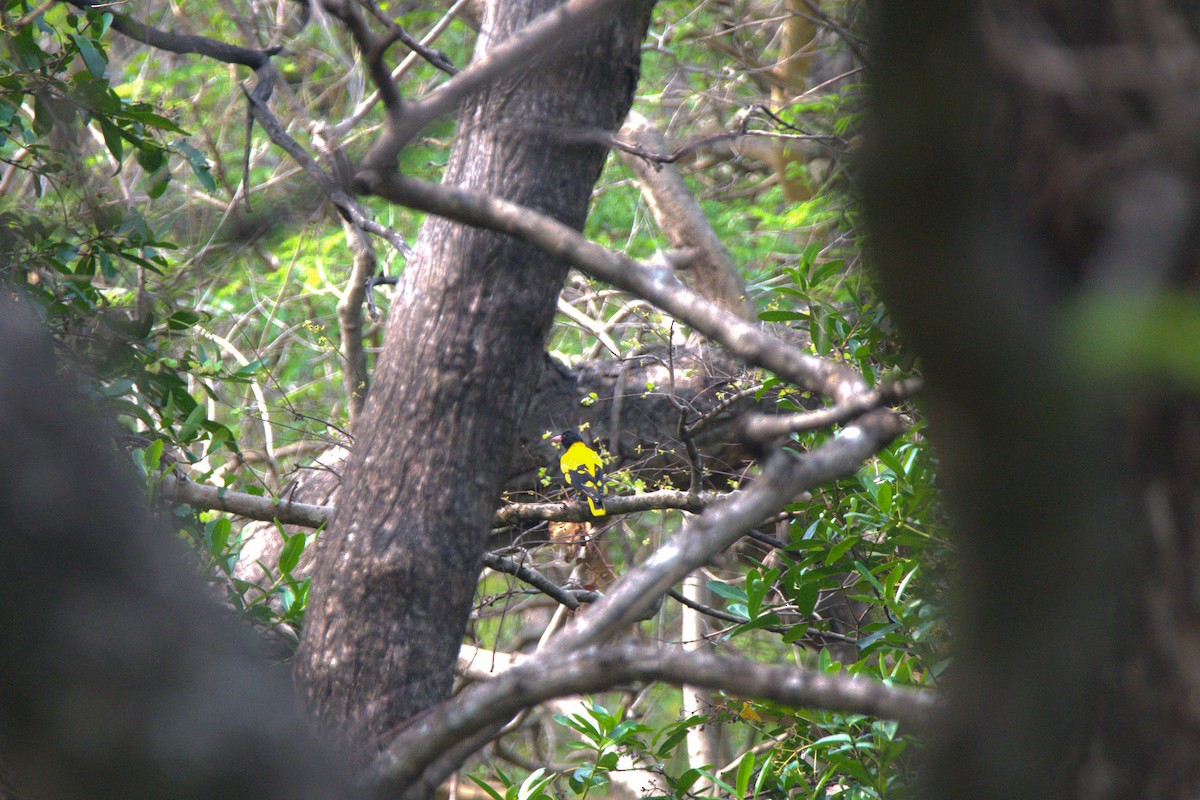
(584, 471)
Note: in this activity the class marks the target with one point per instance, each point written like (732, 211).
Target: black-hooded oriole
(583, 469)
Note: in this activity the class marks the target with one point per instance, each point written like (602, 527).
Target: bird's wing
(584, 470)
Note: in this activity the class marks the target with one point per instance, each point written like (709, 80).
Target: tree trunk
(120, 676)
(1033, 191)
(463, 352)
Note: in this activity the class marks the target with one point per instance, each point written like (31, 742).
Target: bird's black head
(568, 437)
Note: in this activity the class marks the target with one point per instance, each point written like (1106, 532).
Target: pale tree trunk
(464, 348)
(701, 740)
(796, 48)
(1033, 191)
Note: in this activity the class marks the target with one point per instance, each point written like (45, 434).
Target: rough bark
(1029, 185)
(121, 675)
(462, 355)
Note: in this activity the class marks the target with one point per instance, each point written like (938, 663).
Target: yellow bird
(583, 469)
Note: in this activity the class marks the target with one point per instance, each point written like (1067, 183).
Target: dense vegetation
(190, 272)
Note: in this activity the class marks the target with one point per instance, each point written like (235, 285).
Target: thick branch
(178, 489)
(598, 668)
(747, 341)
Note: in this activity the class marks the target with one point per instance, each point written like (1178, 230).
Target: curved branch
(180, 42)
(602, 667)
(571, 598)
(769, 427)
(346, 205)
(748, 342)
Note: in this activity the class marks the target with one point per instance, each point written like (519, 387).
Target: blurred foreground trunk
(1032, 188)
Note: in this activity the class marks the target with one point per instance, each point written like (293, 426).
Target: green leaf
(864, 642)
(248, 370)
(293, 547)
(840, 549)
(199, 165)
(182, 320)
(763, 772)
(150, 156)
(745, 770)
(91, 56)
(733, 593)
(191, 425)
(218, 535)
(112, 139)
(686, 780)
(861, 568)
(487, 788)
(533, 785)
(152, 456)
(781, 315)
(804, 596)
(156, 184)
(795, 633)
(126, 408)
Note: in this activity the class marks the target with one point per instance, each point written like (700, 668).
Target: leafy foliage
(206, 322)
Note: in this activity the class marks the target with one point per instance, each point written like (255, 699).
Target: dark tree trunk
(1033, 191)
(463, 353)
(119, 676)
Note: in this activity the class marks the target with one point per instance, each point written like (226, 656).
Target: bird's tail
(596, 506)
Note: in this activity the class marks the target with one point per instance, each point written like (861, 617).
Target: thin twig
(570, 598)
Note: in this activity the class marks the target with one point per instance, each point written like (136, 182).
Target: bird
(583, 469)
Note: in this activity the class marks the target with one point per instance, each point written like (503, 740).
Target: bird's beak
(557, 439)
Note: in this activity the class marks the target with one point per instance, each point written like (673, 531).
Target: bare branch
(577, 511)
(662, 157)
(435, 57)
(597, 668)
(372, 48)
(548, 38)
(748, 342)
(179, 489)
(28, 18)
(347, 206)
(183, 43)
(769, 427)
(364, 107)
(571, 598)
(683, 221)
